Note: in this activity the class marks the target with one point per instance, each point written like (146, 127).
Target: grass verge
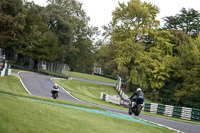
(33, 116)
(90, 92)
(11, 85)
(91, 77)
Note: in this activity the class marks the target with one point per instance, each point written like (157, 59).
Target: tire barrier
(111, 99)
(5, 72)
(173, 111)
(119, 90)
(161, 109)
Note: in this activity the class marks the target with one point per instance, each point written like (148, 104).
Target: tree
(12, 22)
(128, 29)
(105, 59)
(69, 22)
(186, 71)
(187, 21)
(158, 64)
(37, 42)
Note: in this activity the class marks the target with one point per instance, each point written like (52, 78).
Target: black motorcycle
(54, 94)
(136, 106)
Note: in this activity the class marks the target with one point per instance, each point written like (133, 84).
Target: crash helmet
(139, 89)
(55, 86)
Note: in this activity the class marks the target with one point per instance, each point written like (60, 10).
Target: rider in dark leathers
(55, 89)
(139, 96)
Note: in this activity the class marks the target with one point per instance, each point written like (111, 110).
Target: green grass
(88, 92)
(22, 115)
(11, 83)
(26, 116)
(15, 70)
(91, 77)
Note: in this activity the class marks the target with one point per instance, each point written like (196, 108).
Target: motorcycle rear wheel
(129, 111)
(138, 109)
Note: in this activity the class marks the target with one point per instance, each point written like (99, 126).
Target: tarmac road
(41, 85)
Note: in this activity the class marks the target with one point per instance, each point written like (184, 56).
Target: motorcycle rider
(55, 89)
(139, 99)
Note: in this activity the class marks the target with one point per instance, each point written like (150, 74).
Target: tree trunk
(35, 66)
(127, 86)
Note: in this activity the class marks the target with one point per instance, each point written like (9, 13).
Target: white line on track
(23, 83)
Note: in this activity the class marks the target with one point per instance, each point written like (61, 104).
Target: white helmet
(139, 89)
(56, 85)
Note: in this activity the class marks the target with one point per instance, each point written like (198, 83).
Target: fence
(55, 67)
(5, 72)
(173, 111)
(161, 109)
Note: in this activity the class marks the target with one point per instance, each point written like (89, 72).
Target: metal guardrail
(5, 72)
(161, 109)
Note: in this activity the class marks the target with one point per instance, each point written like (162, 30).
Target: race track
(41, 85)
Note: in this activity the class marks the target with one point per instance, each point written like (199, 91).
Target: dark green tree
(12, 20)
(187, 21)
(37, 42)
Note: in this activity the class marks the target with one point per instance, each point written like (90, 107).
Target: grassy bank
(12, 85)
(90, 92)
(20, 113)
(33, 116)
(91, 77)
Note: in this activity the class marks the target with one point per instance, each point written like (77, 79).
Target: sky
(100, 11)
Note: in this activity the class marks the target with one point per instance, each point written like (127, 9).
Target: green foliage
(131, 22)
(69, 22)
(187, 21)
(165, 64)
(187, 71)
(58, 32)
(37, 41)
(12, 20)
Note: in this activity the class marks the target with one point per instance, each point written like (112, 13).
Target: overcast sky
(100, 11)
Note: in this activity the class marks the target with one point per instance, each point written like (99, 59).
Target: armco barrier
(195, 115)
(125, 102)
(161, 109)
(147, 107)
(177, 112)
(168, 110)
(5, 72)
(111, 99)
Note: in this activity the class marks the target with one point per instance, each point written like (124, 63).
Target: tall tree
(187, 21)
(68, 20)
(186, 71)
(129, 27)
(12, 21)
(37, 42)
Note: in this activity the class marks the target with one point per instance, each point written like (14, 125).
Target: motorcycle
(136, 106)
(54, 93)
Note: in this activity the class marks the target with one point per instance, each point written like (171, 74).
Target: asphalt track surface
(41, 85)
